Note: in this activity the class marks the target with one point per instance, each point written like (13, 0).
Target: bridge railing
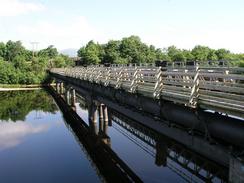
(221, 88)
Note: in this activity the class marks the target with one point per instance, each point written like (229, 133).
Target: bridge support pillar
(57, 87)
(67, 96)
(73, 97)
(61, 88)
(92, 113)
(101, 120)
(101, 111)
(161, 153)
(105, 113)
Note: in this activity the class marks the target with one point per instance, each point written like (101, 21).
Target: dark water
(38, 145)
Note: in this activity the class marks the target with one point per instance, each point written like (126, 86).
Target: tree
(14, 49)
(131, 49)
(112, 52)
(59, 61)
(222, 54)
(176, 54)
(212, 55)
(200, 53)
(91, 54)
(18, 67)
(2, 50)
(50, 52)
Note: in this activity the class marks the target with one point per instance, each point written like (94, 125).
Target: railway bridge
(205, 101)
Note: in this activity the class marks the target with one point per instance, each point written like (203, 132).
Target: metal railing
(214, 88)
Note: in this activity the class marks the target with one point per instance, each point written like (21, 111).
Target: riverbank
(7, 87)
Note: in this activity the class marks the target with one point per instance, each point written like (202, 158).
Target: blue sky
(71, 24)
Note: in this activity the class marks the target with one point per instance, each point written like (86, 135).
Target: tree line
(133, 50)
(19, 65)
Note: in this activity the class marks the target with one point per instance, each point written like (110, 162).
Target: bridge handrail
(194, 87)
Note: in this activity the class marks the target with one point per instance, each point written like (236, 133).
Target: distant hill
(72, 52)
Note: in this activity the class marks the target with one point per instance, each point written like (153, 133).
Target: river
(38, 144)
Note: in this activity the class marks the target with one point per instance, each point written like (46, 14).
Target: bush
(241, 63)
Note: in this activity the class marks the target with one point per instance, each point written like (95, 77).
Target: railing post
(107, 76)
(120, 75)
(159, 84)
(195, 89)
(133, 84)
(226, 72)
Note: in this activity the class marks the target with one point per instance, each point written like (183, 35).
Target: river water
(38, 145)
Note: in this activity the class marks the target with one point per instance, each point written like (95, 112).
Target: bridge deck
(218, 89)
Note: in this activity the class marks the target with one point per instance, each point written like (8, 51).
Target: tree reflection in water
(15, 105)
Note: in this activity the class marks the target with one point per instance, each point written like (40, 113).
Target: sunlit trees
(91, 54)
(18, 66)
(112, 52)
(49, 52)
(128, 50)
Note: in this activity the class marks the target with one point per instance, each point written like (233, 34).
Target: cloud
(187, 38)
(17, 7)
(12, 134)
(67, 34)
(76, 31)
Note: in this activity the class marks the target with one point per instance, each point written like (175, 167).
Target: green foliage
(212, 55)
(18, 66)
(91, 53)
(200, 53)
(176, 54)
(127, 50)
(241, 63)
(133, 50)
(112, 52)
(222, 54)
(50, 52)
(14, 49)
(2, 50)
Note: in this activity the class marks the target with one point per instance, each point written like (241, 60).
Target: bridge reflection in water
(93, 135)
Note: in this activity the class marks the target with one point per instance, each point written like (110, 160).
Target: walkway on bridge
(220, 89)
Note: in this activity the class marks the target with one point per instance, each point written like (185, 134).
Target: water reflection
(107, 162)
(12, 134)
(35, 144)
(165, 152)
(15, 105)
(157, 156)
(120, 148)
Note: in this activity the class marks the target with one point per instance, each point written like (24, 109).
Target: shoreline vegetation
(14, 87)
(20, 66)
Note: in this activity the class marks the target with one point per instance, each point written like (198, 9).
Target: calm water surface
(37, 145)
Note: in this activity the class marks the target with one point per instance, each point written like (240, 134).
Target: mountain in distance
(72, 52)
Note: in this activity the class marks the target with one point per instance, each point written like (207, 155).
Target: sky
(162, 23)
